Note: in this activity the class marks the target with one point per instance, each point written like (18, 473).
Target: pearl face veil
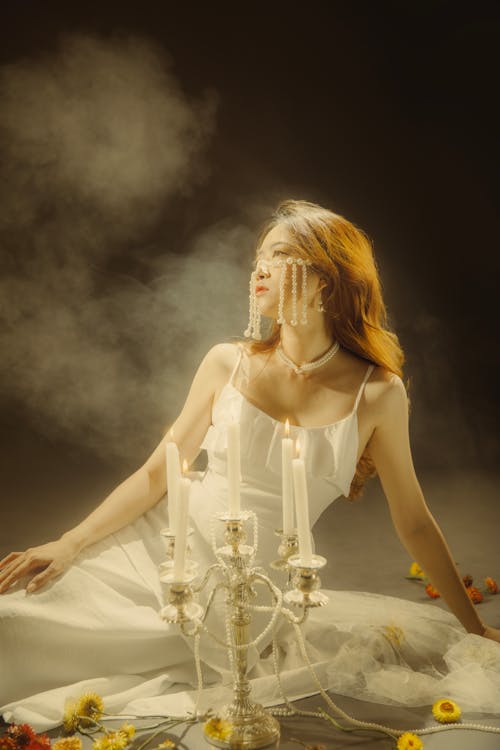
(253, 329)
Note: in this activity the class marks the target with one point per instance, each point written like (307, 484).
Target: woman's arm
(144, 488)
(136, 494)
(416, 527)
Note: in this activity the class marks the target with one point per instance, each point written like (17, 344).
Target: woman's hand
(492, 633)
(46, 561)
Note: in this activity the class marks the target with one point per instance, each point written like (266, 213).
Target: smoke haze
(96, 140)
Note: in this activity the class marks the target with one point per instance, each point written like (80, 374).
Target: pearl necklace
(308, 365)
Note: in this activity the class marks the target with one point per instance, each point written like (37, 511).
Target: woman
(330, 365)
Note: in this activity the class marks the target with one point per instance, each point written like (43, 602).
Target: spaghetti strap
(238, 360)
(367, 375)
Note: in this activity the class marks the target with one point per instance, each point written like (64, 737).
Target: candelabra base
(250, 730)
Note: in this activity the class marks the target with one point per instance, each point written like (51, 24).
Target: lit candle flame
(287, 428)
(297, 449)
(184, 466)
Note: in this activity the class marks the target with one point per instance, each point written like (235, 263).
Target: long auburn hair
(355, 312)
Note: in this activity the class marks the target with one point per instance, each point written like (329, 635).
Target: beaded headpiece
(253, 328)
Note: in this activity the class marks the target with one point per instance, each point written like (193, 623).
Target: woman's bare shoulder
(386, 379)
(386, 392)
(380, 379)
(221, 358)
(383, 387)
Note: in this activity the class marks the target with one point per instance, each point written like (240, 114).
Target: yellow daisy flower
(446, 711)
(111, 741)
(416, 570)
(128, 730)
(91, 705)
(70, 716)
(68, 743)
(409, 741)
(218, 729)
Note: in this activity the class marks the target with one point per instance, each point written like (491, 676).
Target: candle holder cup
(235, 535)
(288, 546)
(181, 607)
(306, 582)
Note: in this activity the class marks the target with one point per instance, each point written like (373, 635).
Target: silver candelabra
(250, 725)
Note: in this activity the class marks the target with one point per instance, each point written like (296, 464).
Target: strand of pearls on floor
(368, 725)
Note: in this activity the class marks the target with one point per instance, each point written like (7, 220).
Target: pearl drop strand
(293, 321)
(253, 328)
(281, 301)
(303, 319)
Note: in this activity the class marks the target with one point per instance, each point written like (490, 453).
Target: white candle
(233, 468)
(287, 480)
(302, 510)
(173, 476)
(182, 512)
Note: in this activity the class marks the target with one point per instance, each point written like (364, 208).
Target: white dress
(98, 628)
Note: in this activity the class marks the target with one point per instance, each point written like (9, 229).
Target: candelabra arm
(260, 578)
(210, 599)
(201, 585)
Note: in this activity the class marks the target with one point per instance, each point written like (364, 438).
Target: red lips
(260, 288)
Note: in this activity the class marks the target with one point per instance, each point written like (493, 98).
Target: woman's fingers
(10, 568)
(7, 560)
(23, 567)
(46, 560)
(41, 579)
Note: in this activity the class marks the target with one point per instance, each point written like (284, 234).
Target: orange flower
(41, 742)
(432, 592)
(475, 595)
(7, 743)
(467, 581)
(22, 734)
(491, 585)
(24, 738)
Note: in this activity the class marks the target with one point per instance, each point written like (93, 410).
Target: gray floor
(363, 554)
(312, 730)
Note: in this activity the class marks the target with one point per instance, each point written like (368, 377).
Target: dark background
(384, 112)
